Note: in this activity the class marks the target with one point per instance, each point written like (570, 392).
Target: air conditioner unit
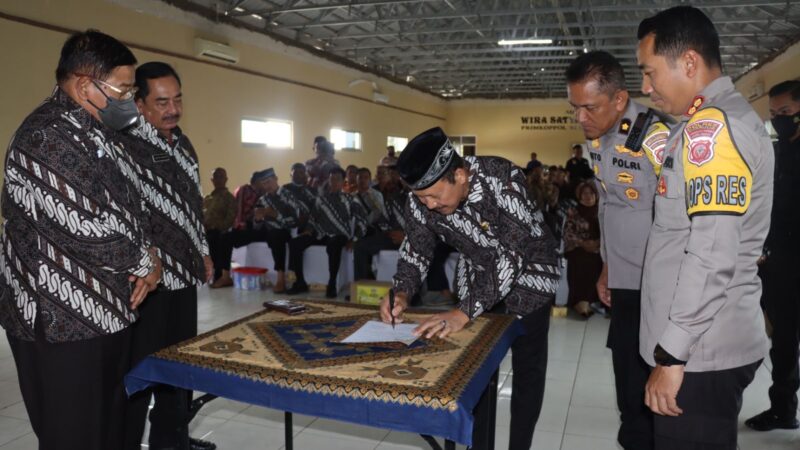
(215, 51)
(756, 91)
(377, 97)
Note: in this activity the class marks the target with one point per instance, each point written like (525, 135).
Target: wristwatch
(663, 358)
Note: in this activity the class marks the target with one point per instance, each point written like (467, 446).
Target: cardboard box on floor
(369, 292)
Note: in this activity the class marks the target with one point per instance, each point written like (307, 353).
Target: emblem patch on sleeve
(700, 136)
(655, 145)
(718, 180)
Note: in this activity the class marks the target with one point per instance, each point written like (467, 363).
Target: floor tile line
(574, 382)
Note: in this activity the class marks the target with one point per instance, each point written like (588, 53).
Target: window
(465, 145)
(345, 140)
(272, 133)
(398, 142)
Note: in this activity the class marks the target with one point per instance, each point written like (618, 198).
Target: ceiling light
(524, 41)
(257, 16)
(274, 23)
(585, 50)
(237, 9)
(542, 69)
(571, 53)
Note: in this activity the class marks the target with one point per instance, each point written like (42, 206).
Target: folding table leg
(289, 432)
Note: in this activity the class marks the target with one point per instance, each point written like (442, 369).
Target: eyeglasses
(123, 95)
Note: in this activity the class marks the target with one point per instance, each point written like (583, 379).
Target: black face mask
(118, 114)
(786, 125)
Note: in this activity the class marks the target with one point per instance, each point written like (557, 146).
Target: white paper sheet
(376, 331)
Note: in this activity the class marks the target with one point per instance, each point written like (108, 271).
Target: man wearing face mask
(778, 269)
(75, 263)
(173, 196)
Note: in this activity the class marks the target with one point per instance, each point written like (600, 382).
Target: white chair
(384, 264)
(315, 267)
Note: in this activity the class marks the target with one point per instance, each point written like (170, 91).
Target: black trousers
(630, 370)
(74, 391)
(218, 245)
(165, 318)
(529, 363)
(711, 402)
(277, 241)
(333, 246)
(781, 299)
(365, 249)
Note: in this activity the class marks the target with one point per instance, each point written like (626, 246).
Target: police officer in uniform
(702, 327)
(626, 143)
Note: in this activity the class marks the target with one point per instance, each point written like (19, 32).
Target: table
(290, 363)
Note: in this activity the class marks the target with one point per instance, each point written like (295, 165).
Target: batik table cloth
(292, 363)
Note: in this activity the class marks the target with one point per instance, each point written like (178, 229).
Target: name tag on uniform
(161, 158)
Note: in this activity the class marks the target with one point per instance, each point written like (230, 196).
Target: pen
(391, 305)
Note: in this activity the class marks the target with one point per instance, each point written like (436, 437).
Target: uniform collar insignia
(625, 126)
(696, 104)
(596, 143)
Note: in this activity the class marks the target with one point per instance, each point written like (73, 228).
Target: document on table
(376, 331)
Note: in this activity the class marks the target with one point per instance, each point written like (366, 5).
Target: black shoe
(767, 421)
(199, 444)
(330, 291)
(297, 288)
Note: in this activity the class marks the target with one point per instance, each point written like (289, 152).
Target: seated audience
(274, 218)
(350, 179)
(243, 232)
(219, 212)
(582, 239)
(299, 196)
(371, 201)
(389, 225)
(536, 186)
(337, 221)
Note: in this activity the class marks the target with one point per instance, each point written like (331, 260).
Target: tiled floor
(578, 412)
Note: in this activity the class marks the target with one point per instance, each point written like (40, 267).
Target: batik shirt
(285, 219)
(337, 214)
(73, 227)
(246, 198)
(174, 199)
(506, 251)
(371, 202)
(394, 204)
(219, 210)
(302, 201)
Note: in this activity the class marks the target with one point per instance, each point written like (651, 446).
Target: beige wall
(784, 67)
(500, 130)
(215, 99)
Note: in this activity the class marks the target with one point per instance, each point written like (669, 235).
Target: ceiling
(450, 47)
